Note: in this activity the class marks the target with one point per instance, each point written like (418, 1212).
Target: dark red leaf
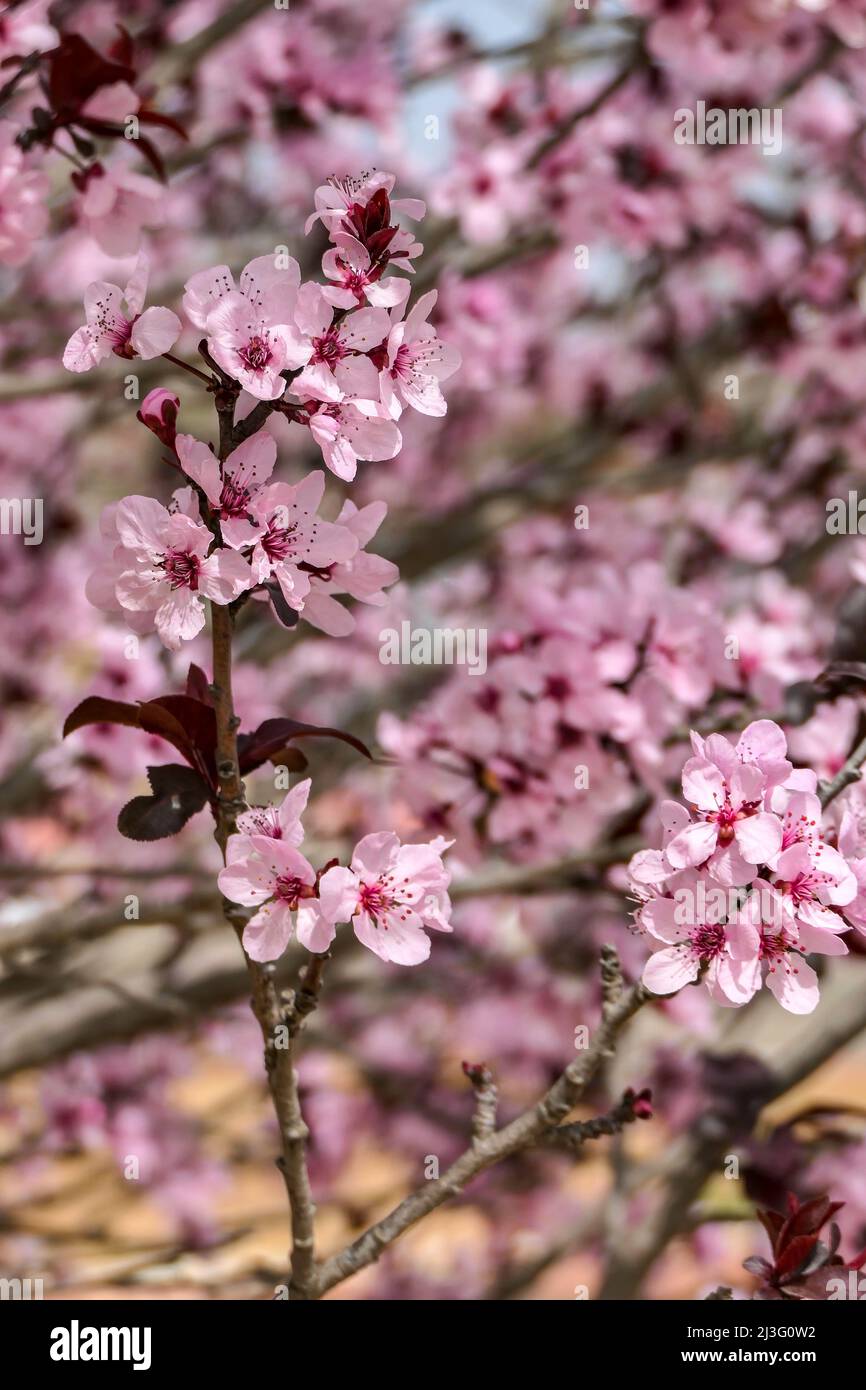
(178, 793)
(273, 736)
(147, 117)
(76, 71)
(121, 51)
(795, 1256)
(98, 710)
(197, 685)
(186, 723)
(772, 1222)
(808, 1218)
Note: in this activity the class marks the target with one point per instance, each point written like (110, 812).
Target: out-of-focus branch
(524, 1132)
(181, 58)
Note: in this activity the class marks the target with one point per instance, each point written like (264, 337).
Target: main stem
(279, 1019)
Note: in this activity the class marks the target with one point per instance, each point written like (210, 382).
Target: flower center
(775, 945)
(726, 818)
(257, 353)
(234, 499)
(328, 348)
(280, 541)
(402, 362)
(355, 281)
(382, 898)
(289, 888)
(707, 941)
(181, 569)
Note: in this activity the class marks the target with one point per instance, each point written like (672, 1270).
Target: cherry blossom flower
(231, 487)
(725, 951)
(364, 577)
(732, 830)
(336, 199)
(291, 535)
(811, 877)
(778, 949)
(391, 893)
(349, 264)
(487, 190)
(281, 822)
(353, 430)
(23, 207)
(108, 329)
(417, 360)
(169, 571)
(250, 329)
(281, 883)
(335, 362)
(115, 204)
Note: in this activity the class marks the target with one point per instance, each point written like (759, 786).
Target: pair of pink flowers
(392, 893)
(747, 886)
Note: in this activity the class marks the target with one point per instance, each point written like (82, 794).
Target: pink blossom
(101, 586)
(278, 880)
(250, 329)
(335, 362)
(727, 787)
(391, 893)
(108, 329)
(291, 535)
(812, 876)
(231, 487)
(23, 194)
(486, 190)
(116, 204)
(777, 956)
(363, 576)
(353, 430)
(168, 569)
(336, 198)
(349, 264)
(417, 360)
(724, 950)
(271, 822)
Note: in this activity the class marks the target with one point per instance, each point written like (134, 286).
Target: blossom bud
(159, 411)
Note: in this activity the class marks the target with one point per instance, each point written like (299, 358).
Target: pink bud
(158, 412)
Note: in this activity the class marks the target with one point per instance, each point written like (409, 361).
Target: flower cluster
(747, 884)
(339, 359)
(390, 893)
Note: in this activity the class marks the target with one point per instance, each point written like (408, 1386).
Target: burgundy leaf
(197, 685)
(795, 1256)
(76, 71)
(98, 710)
(178, 793)
(273, 736)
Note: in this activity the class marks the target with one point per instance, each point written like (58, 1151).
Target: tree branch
(524, 1132)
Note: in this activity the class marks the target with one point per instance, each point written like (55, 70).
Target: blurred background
(663, 356)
